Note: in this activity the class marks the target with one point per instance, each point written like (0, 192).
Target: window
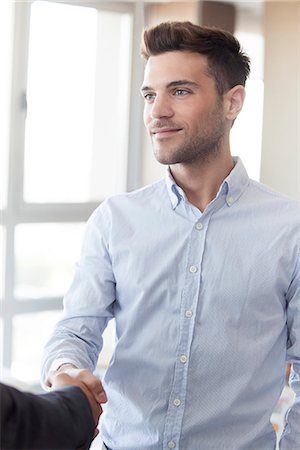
(44, 257)
(27, 348)
(77, 103)
(67, 135)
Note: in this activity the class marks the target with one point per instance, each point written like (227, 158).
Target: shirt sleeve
(61, 419)
(88, 304)
(290, 439)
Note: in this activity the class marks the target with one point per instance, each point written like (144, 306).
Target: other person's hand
(83, 378)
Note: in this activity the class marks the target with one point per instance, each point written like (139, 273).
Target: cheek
(194, 122)
(190, 115)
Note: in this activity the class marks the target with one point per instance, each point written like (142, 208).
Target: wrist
(65, 366)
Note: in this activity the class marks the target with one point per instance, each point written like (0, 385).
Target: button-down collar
(233, 186)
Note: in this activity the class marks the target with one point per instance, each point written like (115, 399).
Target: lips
(164, 132)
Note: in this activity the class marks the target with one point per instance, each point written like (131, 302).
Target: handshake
(65, 418)
(68, 375)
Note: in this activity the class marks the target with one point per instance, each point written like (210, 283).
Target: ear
(233, 101)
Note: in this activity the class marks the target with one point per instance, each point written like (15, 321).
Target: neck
(201, 181)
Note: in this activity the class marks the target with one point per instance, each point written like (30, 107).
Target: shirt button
(199, 226)
(183, 359)
(171, 444)
(193, 269)
(230, 200)
(177, 402)
(188, 313)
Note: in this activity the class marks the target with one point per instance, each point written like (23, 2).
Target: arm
(291, 435)
(62, 419)
(88, 304)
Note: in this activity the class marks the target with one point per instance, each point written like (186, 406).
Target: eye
(181, 92)
(149, 97)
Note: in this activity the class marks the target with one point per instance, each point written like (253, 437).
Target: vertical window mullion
(15, 168)
(18, 108)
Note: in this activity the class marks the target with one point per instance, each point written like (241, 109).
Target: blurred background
(72, 134)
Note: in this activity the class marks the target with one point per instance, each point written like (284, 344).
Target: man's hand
(92, 387)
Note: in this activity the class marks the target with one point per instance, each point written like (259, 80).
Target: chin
(165, 157)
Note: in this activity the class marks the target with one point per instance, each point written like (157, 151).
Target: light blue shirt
(207, 309)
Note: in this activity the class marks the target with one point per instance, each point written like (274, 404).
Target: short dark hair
(227, 63)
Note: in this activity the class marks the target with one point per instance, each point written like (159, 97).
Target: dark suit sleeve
(59, 419)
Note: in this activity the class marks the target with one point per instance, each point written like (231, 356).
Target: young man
(63, 419)
(200, 271)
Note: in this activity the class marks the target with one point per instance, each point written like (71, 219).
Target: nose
(161, 107)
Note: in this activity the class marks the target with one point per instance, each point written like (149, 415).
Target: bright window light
(45, 257)
(77, 97)
(28, 346)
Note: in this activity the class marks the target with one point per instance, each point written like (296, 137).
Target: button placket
(190, 299)
(230, 200)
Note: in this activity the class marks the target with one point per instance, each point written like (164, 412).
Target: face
(183, 112)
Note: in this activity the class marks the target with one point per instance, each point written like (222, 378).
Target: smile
(161, 133)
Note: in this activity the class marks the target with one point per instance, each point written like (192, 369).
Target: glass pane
(44, 256)
(27, 349)
(5, 84)
(2, 261)
(77, 93)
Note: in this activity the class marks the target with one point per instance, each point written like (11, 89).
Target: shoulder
(276, 213)
(129, 203)
(141, 195)
(266, 196)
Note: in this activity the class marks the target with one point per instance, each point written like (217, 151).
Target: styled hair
(227, 63)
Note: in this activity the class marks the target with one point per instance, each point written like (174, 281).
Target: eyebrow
(172, 84)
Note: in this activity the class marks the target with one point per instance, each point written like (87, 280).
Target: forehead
(178, 65)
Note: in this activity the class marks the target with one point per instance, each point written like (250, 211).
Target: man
(200, 271)
(63, 419)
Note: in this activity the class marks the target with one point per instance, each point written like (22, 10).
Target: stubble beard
(201, 149)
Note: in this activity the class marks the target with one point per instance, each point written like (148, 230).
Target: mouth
(161, 133)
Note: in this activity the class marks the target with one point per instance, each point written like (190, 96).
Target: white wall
(280, 165)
